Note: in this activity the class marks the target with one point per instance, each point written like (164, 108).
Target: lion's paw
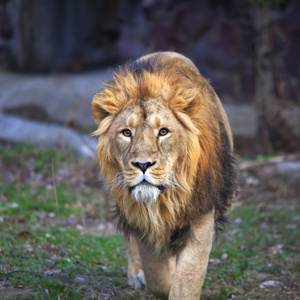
(137, 280)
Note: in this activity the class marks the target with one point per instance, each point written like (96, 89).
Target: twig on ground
(54, 187)
(272, 160)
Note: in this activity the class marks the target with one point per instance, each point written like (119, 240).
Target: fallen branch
(256, 163)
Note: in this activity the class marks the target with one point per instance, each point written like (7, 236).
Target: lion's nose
(143, 166)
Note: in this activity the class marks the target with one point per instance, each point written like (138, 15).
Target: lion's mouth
(146, 191)
(145, 182)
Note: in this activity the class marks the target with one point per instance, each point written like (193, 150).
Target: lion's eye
(126, 132)
(163, 131)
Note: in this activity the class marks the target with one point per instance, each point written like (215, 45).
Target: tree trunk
(276, 131)
(265, 86)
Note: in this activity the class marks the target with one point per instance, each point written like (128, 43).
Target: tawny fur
(143, 94)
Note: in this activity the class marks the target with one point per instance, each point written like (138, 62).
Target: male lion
(165, 150)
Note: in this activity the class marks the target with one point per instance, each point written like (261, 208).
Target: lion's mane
(206, 171)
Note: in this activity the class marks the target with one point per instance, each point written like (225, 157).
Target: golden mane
(204, 173)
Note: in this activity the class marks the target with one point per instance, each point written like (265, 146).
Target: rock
(227, 62)
(291, 226)
(270, 283)
(237, 221)
(17, 130)
(288, 166)
(242, 119)
(215, 53)
(224, 256)
(276, 249)
(64, 98)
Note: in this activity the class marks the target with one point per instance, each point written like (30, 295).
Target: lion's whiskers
(173, 180)
(118, 179)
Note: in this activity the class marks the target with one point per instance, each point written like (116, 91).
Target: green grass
(54, 259)
(249, 252)
(27, 201)
(50, 256)
(41, 157)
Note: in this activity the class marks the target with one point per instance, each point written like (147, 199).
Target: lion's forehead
(150, 112)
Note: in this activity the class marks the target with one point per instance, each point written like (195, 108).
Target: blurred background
(54, 209)
(54, 56)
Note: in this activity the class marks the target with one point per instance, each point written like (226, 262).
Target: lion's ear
(104, 104)
(193, 106)
(198, 99)
(185, 100)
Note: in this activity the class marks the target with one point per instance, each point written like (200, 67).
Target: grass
(250, 254)
(55, 259)
(46, 257)
(21, 201)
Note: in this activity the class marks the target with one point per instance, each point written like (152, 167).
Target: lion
(165, 149)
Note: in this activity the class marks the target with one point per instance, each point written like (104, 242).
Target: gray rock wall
(62, 35)
(219, 37)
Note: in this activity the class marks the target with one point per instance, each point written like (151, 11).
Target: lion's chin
(145, 192)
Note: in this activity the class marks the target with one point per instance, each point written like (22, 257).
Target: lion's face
(147, 140)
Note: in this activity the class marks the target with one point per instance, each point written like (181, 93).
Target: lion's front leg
(135, 271)
(159, 271)
(192, 261)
